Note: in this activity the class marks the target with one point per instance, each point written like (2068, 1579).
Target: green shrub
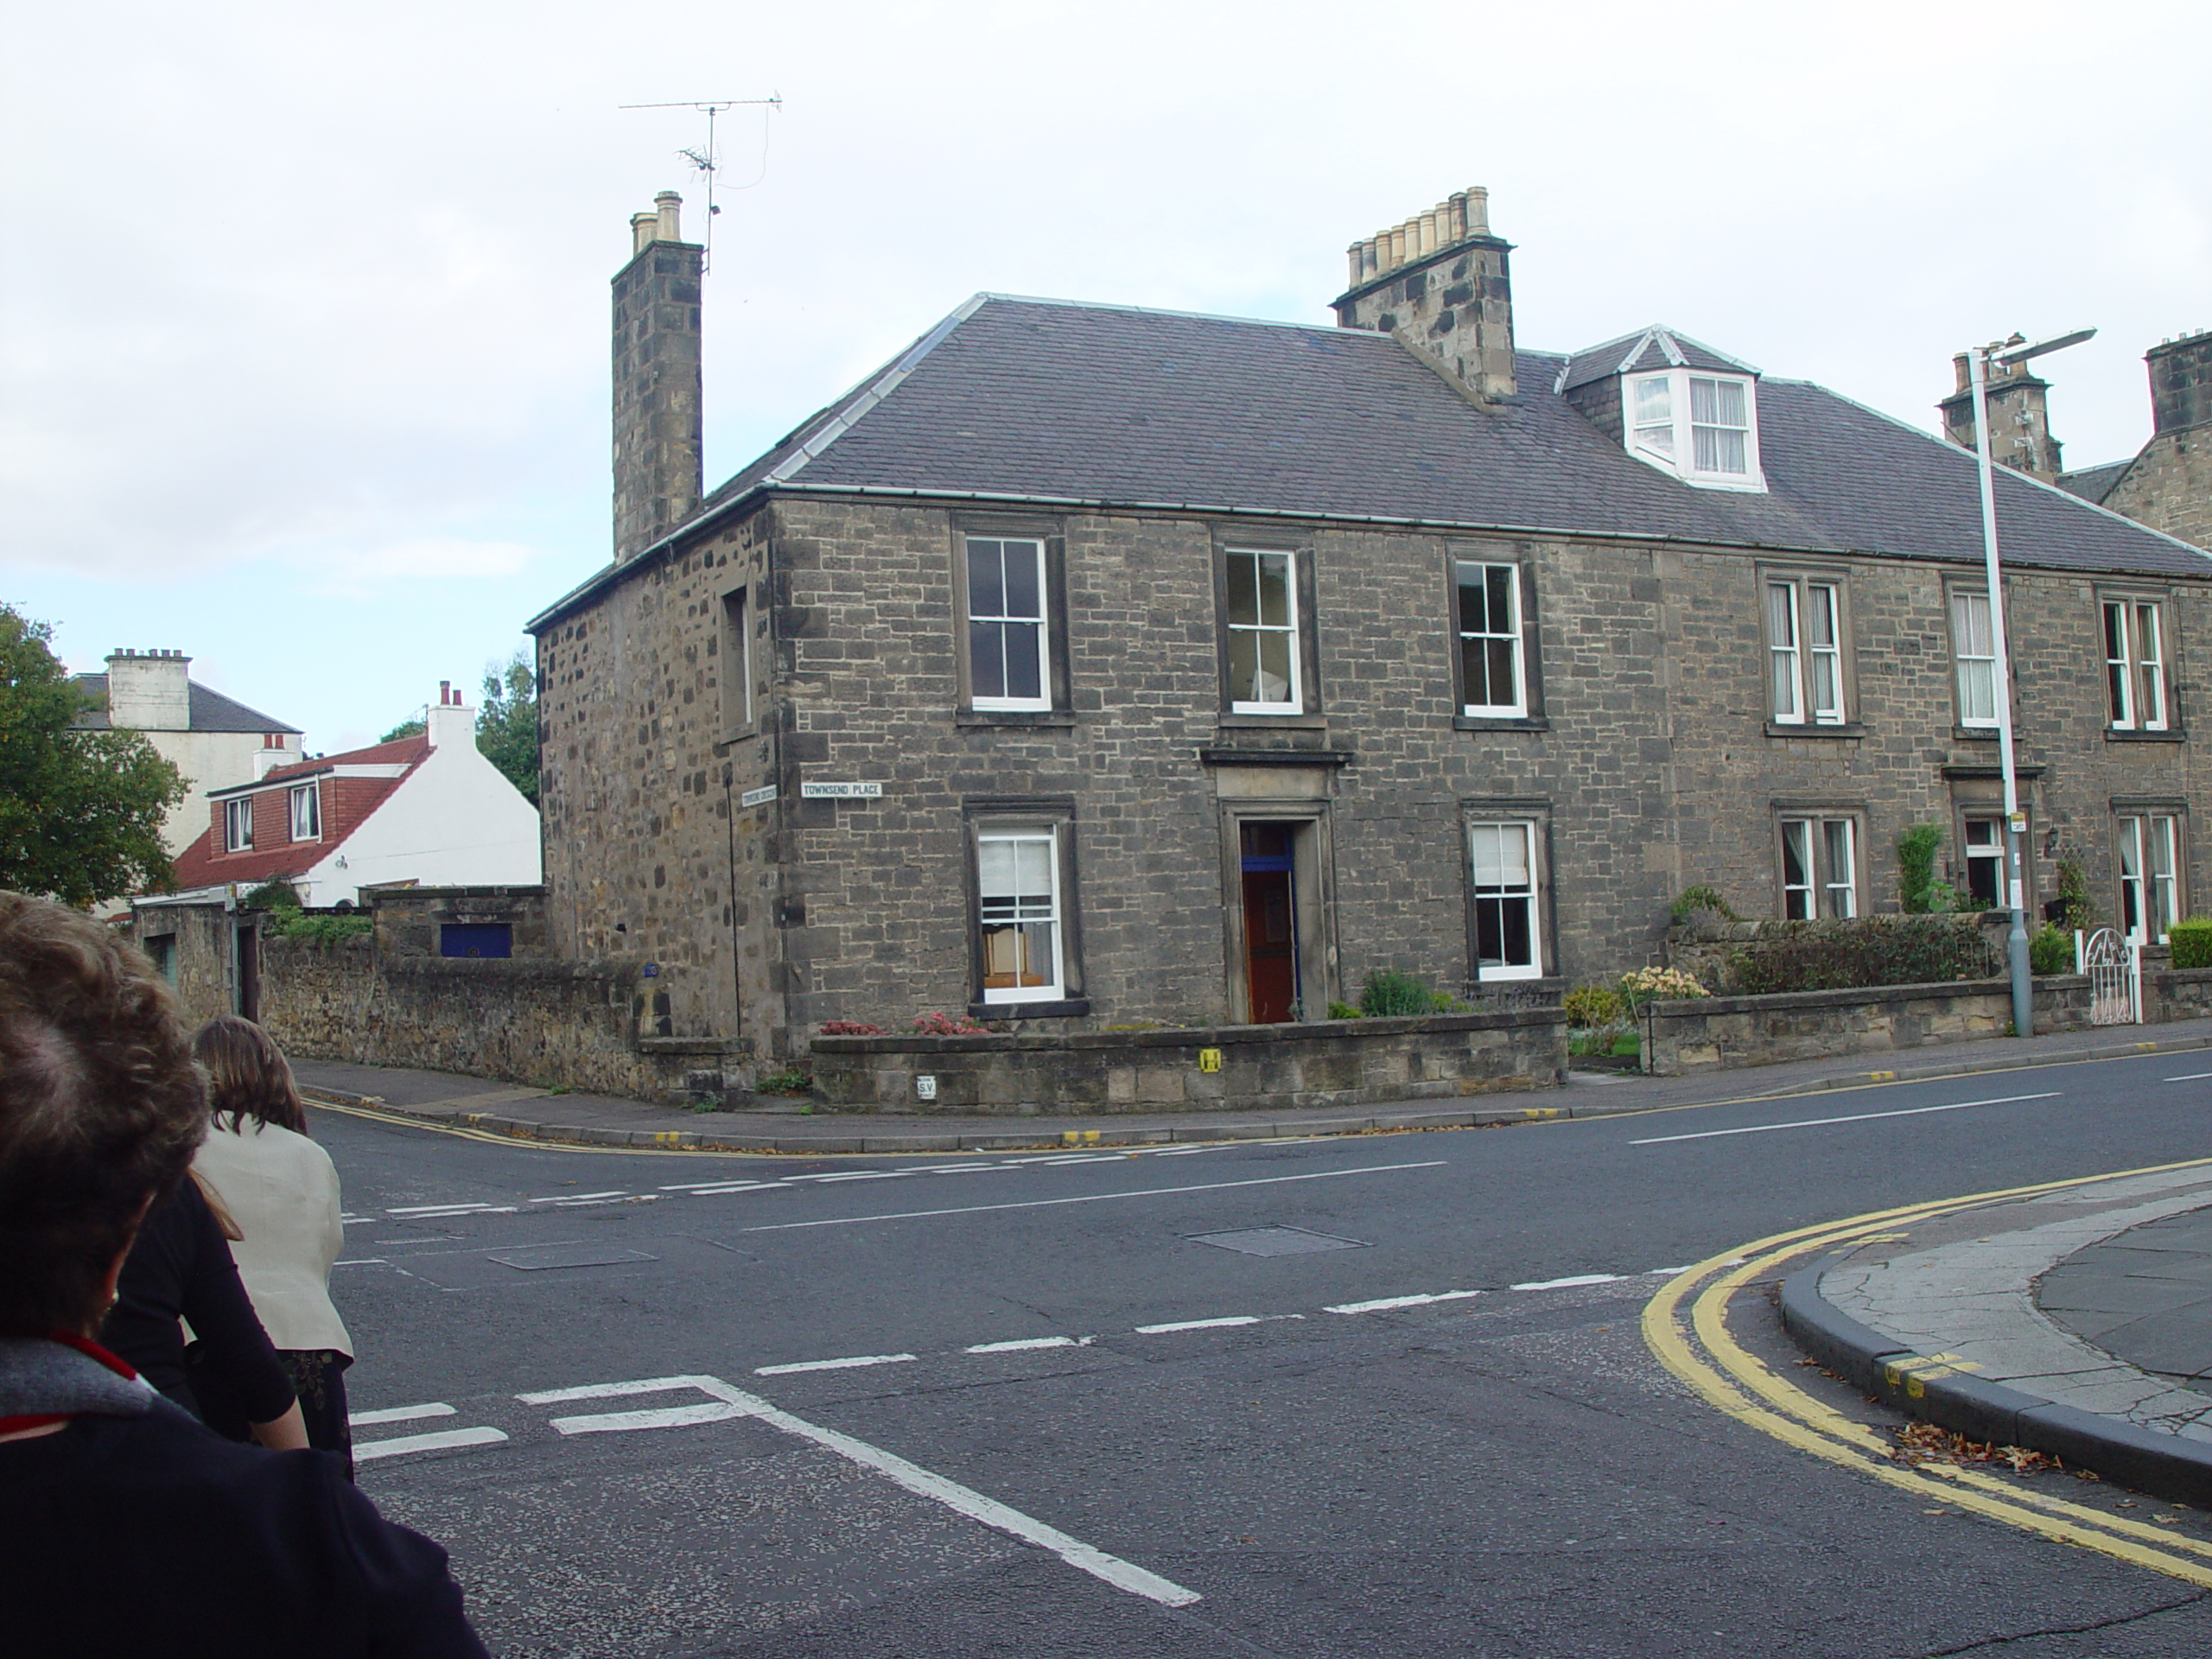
(1871, 951)
(2080, 910)
(1592, 1004)
(2052, 952)
(1699, 898)
(2192, 942)
(1643, 985)
(1389, 994)
(1342, 1010)
(789, 1081)
(1916, 850)
(318, 929)
(276, 894)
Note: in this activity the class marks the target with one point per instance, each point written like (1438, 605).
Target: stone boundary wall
(531, 1020)
(1722, 1032)
(1334, 1063)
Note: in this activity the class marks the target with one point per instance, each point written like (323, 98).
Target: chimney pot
(670, 207)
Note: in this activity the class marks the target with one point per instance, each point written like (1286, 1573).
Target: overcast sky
(305, 308)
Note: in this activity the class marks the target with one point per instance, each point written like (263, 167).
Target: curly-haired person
(126, 1527)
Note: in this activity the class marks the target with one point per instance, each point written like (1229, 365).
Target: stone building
(2168, 485)
(1089, 666)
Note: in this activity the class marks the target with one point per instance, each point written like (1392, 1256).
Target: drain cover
(1276, 1241)
(567, 1255)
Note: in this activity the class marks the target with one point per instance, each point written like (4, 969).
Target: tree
(405, 728)
(506, 726)
(80, 812)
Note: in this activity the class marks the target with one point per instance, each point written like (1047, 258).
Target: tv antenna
(707, 161)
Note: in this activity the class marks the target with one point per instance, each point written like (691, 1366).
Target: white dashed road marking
(1855, 1117)
(1386, 1304)
(854, 1362)
(437, 1440)
(399, 1414)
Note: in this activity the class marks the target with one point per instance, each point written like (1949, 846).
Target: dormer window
(1703, 428)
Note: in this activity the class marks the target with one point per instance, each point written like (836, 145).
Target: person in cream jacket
(281, 1190)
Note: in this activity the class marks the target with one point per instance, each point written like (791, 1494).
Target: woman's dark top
(181, 1264)
(139, 1535)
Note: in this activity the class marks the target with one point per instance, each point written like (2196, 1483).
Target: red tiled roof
(201, 865)
(405, 751)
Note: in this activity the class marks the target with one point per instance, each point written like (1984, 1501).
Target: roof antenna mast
(707, 160)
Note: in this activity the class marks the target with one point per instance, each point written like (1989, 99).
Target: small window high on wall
(1703, 428)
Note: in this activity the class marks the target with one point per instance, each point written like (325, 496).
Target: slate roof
(1059, 403)
(1655, 347)
(206, 710)
(2095, 483)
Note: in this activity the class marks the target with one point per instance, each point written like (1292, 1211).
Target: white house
(428, 811)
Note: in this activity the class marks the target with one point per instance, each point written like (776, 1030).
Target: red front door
(1270, 925)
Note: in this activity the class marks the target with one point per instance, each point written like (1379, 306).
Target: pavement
(533, 1114)
(2073, 1321)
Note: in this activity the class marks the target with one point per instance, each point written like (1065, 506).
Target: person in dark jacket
(126, 1527)
(180, 1265)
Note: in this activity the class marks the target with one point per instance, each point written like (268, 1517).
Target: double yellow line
(1686, 1327)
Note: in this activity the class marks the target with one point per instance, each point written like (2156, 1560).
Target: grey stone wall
(1721, 1033)
(2169, 486)
(198, 955)
(1652, 765)
(539, 1022)
(1335, 1062)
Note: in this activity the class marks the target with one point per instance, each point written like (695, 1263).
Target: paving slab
(2060, 1338)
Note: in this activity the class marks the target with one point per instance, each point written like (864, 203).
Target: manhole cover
(1276, 1241)
(567, 1255)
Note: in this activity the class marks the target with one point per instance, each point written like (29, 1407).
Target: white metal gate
(2112, 964)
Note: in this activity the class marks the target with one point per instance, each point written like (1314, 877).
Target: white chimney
(150, 691)
(450, 720)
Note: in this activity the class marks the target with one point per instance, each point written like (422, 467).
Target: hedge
(2192, 942)
(1837, 956)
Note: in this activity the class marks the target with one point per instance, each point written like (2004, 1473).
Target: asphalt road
(1044, 1405)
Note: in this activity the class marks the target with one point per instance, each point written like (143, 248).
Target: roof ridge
(1971, 458)
(1172, 311)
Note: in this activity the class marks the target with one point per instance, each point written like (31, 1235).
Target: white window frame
(1826, 847)
(1293, 699)
(1976, 666)
(2149, 846)
(1493, 636)
(308, 796)
(1009, 623)
(1661, 428)
(237, 825)
(2135, 667)
(1991, 852)
(1528, 896)
(1795, 656)
(1021, 911)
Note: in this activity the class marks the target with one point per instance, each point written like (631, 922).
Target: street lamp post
(2016, 822)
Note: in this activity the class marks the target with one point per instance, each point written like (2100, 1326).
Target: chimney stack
(2019, 420)
(2181, 382)
(659, 475)
(1440, 283)
(449, 722)
(150, 691)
